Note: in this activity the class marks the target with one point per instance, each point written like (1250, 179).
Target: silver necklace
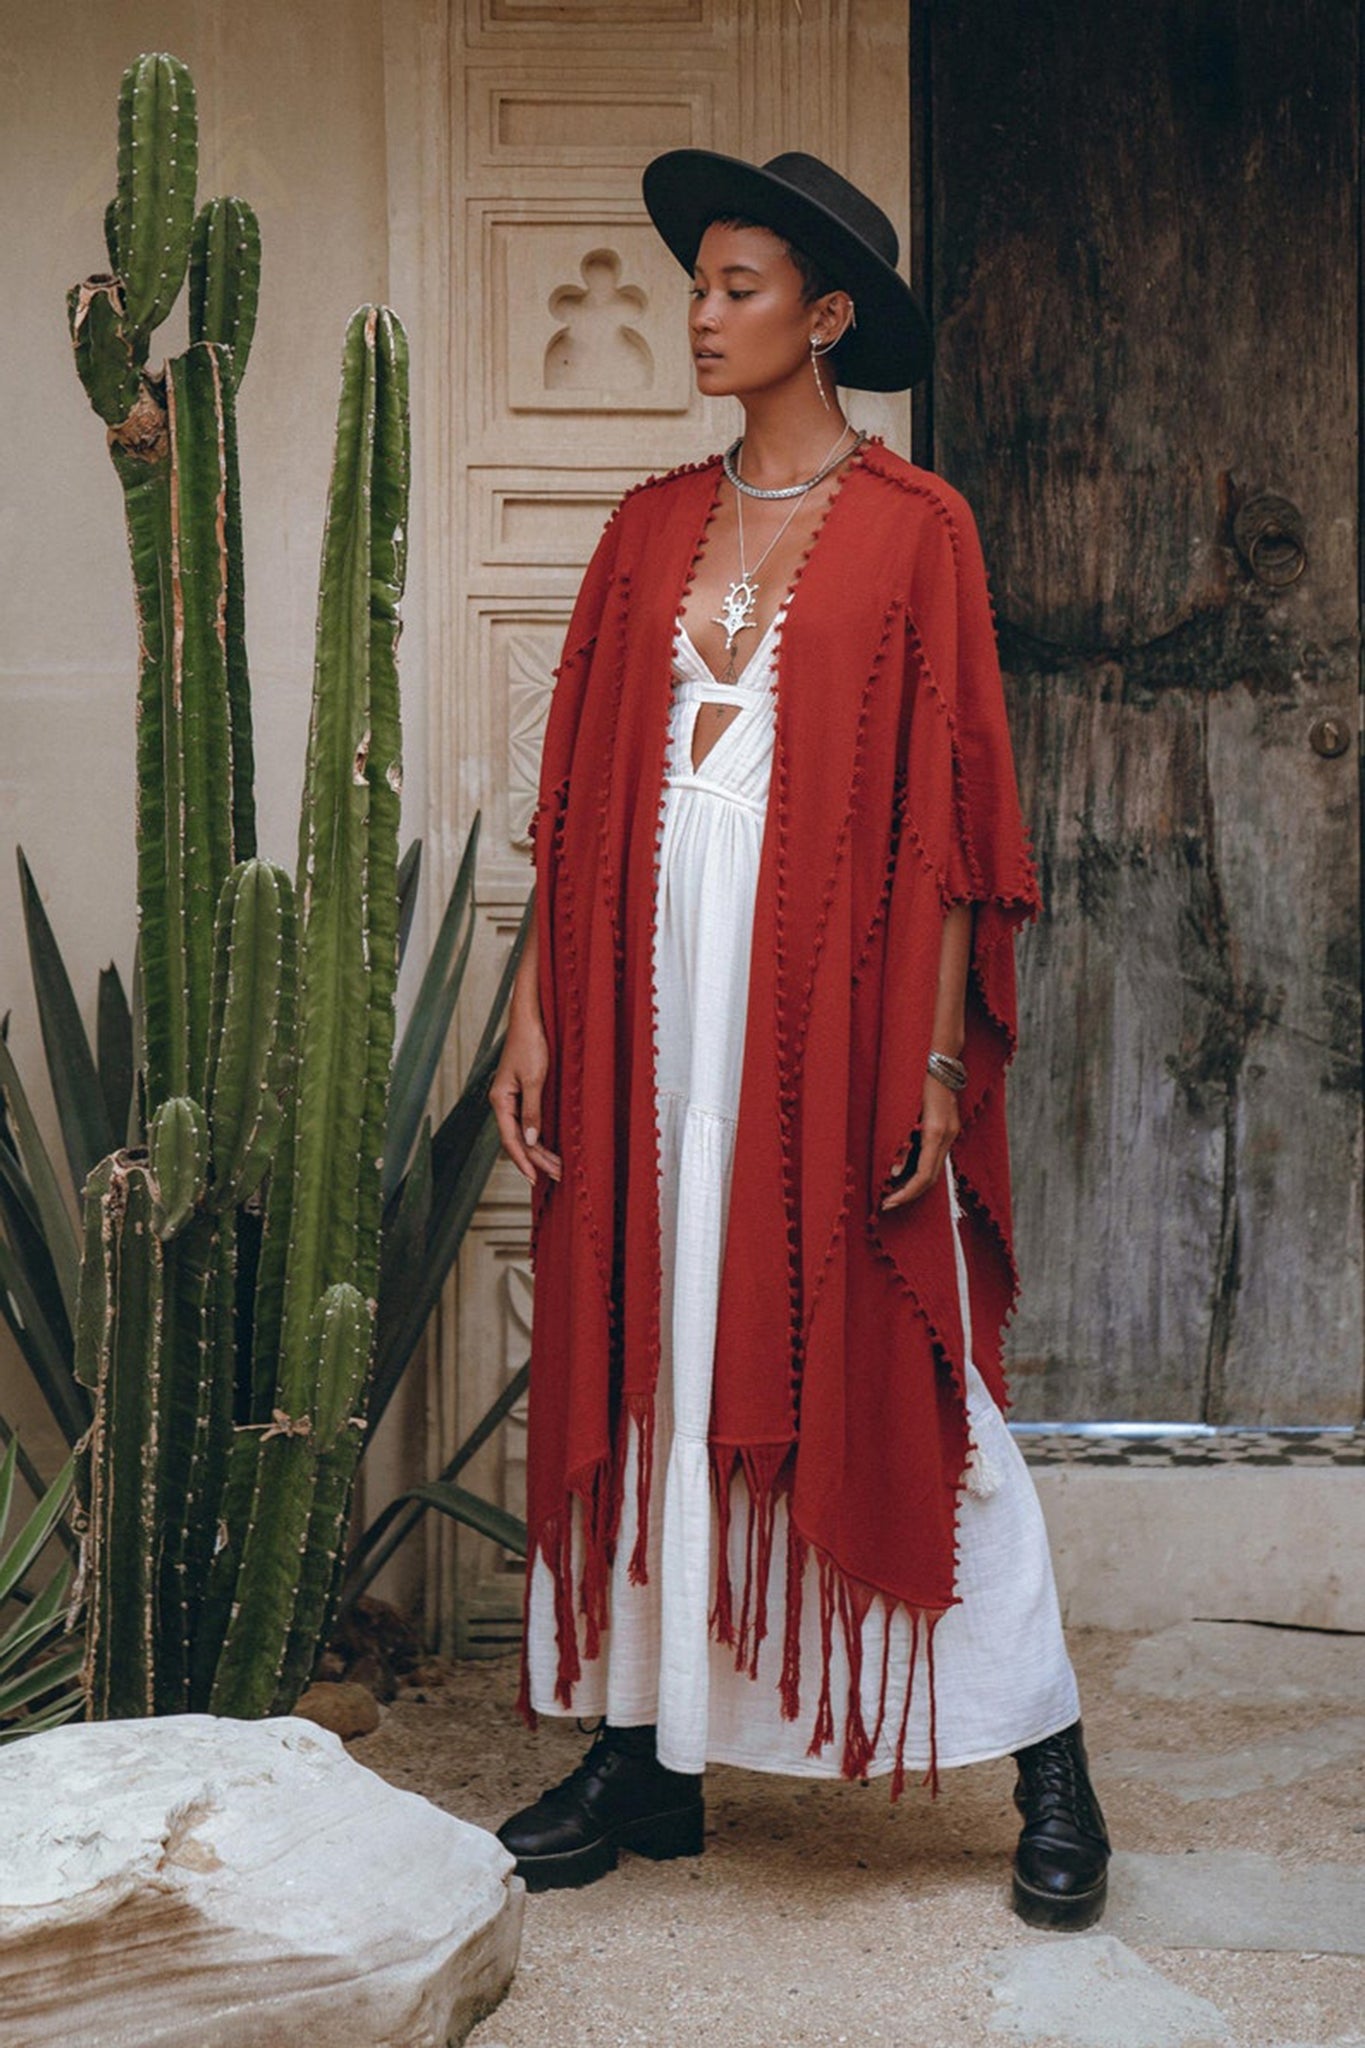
(740, 603)
(730, 464)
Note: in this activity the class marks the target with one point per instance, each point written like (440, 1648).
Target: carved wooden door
(1139, 233)
(570, 378)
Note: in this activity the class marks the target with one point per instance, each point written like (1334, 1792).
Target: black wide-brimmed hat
(829, 220)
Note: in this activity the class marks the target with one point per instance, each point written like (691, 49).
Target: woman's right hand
(516, 1093)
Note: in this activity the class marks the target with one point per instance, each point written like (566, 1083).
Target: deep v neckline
(704, 665)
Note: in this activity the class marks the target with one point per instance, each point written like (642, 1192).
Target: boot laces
(1056, 1784)
(599, 1751)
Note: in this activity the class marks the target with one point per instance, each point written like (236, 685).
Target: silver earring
(815, 355)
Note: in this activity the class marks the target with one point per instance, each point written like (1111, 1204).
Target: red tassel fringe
(582, 1611)
(642, 1410)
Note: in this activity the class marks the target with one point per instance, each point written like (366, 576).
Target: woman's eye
(741, 295)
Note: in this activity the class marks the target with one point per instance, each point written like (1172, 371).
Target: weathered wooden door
(1139, 234)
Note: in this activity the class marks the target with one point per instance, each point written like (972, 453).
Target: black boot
(1061, 1869)
(619, 1797)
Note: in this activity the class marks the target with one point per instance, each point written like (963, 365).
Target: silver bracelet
(943, 1067)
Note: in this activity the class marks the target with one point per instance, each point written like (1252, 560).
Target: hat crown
(816, 180)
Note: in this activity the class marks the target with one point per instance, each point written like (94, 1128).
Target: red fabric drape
(839, 1371)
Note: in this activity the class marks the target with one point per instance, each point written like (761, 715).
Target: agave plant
(39, 1667)
(433, 1181)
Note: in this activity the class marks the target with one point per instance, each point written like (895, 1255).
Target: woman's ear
(835, 316)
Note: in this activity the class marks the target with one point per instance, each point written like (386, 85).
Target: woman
(775, 1516)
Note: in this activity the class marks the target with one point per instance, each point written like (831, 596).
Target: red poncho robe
(839, 1364)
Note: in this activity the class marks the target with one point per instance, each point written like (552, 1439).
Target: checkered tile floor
(1114, 1445)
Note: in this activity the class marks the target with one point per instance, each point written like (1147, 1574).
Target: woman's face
(750, 328)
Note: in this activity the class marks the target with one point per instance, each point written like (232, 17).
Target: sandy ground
(821, 1914)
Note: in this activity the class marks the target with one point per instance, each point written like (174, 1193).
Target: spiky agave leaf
(36, 1670)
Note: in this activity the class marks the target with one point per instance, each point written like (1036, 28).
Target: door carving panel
(567, 377)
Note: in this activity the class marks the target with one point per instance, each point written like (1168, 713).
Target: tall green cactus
(227, 1307)
(324, 1211)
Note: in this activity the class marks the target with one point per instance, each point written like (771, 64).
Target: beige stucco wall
(292, 116)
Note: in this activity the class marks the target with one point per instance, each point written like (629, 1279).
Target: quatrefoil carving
(598, 347)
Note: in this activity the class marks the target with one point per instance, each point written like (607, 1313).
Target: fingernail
(531, 1134)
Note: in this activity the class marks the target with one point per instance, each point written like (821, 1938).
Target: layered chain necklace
(739, 606)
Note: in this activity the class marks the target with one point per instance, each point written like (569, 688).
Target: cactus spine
(231, 1386)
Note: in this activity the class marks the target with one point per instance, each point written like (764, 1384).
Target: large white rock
(202, 1883)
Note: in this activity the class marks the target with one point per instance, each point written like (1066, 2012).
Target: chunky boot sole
(661, 1836)
(1060, 1912)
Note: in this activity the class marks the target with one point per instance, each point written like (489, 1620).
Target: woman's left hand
(939, 1125)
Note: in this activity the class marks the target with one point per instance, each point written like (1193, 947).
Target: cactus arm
(199, 386)
(106, 349)
(159, 1008)
(225, 277)
(348, 848)
(158, 162)
(182, 1427)
(225, 282)
(246, 1673)
(179, 1142)
(252, 1027)
(125, 1331)
(177, 530)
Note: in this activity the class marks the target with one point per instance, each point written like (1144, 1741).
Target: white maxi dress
(1002, 1675)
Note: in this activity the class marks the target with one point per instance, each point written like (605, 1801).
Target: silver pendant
(737, 610)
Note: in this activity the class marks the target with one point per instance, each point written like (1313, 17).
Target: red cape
(839, 1368)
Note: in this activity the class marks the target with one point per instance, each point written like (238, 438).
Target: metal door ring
(1269, 534)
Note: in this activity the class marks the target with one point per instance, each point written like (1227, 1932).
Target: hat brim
(890, 348)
